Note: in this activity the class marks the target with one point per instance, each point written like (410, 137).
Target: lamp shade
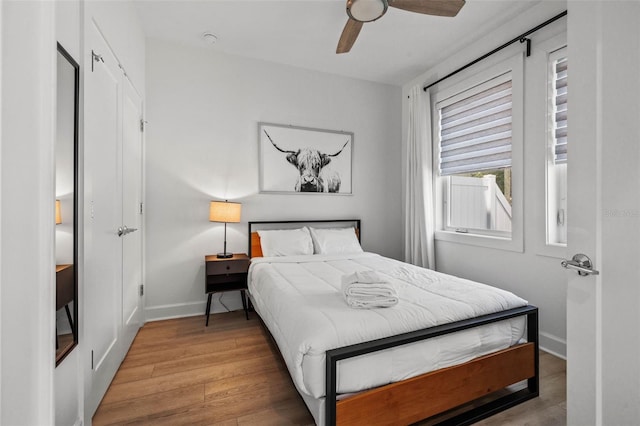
(224, 211)
(58, 213)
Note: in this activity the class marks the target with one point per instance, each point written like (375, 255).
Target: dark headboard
(255, 249)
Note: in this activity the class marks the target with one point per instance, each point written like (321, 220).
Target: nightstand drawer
(230, 278)
(228, 267)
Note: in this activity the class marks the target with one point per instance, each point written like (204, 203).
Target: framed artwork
(304, 160)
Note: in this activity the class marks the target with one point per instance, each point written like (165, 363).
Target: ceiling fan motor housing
(366, 10)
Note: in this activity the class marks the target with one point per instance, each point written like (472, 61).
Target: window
(475, 152)
(478, 125)
(557, 149)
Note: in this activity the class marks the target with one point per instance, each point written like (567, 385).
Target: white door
(113, 192)
(603, 311)
(103, 246)
(131, 212)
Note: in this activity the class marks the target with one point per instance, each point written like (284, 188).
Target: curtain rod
(522, 38)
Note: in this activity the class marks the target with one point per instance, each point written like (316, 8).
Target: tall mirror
(66, 147)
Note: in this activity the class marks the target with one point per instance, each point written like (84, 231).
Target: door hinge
(140, 208)
(124, 72)
(141, 289)
(95, 58)
(142, 124)
(92, 359)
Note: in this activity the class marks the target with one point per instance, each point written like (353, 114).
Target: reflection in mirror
(66, 204)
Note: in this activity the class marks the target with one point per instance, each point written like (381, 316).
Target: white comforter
(300, 300)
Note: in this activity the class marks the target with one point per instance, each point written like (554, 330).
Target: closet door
(113, 225)
(103, 246)
(131, 212)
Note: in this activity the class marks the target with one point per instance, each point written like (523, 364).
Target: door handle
(581, 263)
(124, 230)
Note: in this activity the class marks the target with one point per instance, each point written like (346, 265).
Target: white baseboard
(554, 345)
(178, 310)
(190, 309)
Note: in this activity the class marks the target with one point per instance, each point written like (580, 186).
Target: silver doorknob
(581, 263)
(124, 230)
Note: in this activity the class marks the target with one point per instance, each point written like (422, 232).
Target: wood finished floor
(179, 372)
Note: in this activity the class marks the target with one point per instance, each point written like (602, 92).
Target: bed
(447, 343)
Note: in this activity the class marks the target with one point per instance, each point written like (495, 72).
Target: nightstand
(226, 275)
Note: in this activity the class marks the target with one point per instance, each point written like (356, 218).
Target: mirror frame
(76, 100)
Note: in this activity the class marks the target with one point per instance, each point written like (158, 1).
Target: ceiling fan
(361, 11)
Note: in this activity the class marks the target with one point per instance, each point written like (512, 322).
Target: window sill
(487, 241)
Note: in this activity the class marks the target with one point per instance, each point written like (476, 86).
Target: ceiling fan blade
(349, 35)
(429, 7)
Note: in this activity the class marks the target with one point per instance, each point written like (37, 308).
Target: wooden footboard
(433, 393)
(436, 392)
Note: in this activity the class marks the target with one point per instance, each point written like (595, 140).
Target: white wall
(68, 374)
(27, 225)
(534, 274)
(203, 109)
(1, 259)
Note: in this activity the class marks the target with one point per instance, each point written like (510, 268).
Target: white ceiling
(304, 33)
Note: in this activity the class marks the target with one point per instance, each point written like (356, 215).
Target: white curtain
(419, 221)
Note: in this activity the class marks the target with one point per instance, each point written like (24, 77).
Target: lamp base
(224, 255)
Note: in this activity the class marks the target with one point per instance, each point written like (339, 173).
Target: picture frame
(304, 160)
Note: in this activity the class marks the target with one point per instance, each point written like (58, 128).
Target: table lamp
(224, 212)
(58, 213)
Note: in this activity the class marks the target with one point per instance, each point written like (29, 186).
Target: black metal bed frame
(471, 416)
(468, 417)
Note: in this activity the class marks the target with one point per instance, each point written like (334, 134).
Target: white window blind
(560, 113)
(475, 131)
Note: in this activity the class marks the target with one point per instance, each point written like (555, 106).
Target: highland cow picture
(299, 159)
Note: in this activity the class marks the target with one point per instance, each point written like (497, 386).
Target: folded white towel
(368, 295)
(370, 303)
(378, 289)
(361, 277)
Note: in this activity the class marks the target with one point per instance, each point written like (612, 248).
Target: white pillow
(335, 241)
(286, 242)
